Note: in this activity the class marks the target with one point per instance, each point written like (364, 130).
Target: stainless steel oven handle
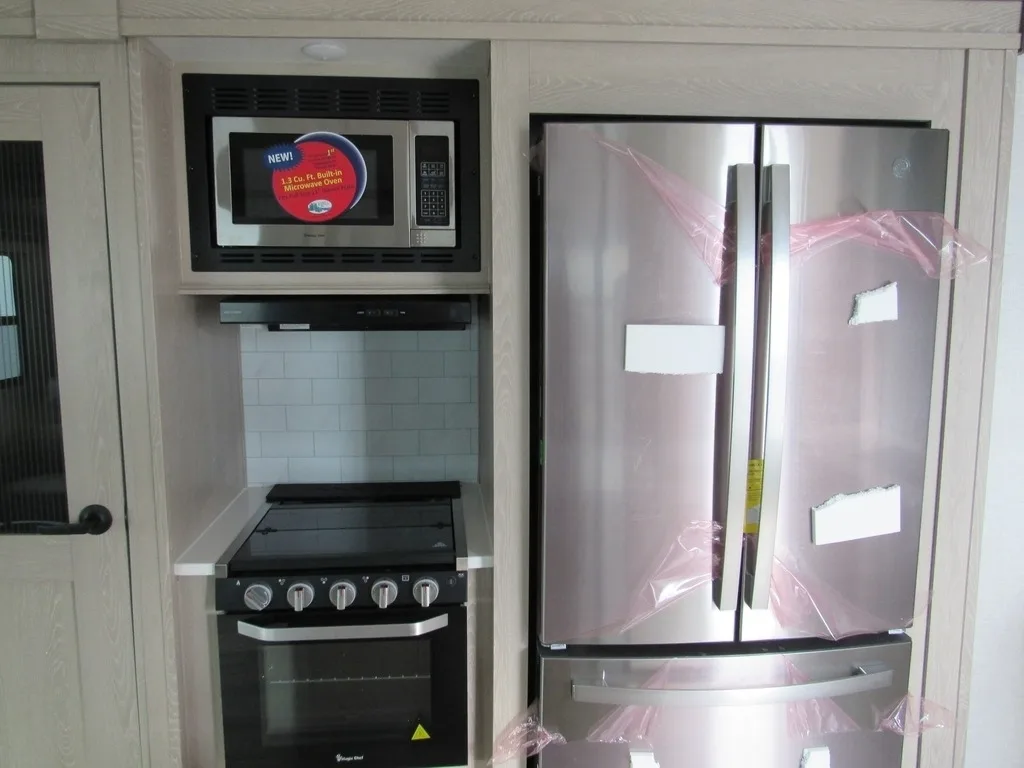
(342, 632)
(864, 678)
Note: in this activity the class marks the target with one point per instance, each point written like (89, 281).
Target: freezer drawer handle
(343, 632)
(861, 680)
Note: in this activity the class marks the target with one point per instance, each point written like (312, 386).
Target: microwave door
(302, 183)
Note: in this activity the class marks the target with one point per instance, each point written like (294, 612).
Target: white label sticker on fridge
(845, 517)
(876, 306)
(675, 349)
(642, 760)
(816, 757)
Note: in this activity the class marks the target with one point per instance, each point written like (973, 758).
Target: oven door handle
(342, 632)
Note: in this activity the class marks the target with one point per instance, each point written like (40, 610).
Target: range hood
(349, 313)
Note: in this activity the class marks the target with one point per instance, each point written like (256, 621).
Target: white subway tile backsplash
(366, 469)
(445, 390)
(265, 418)
(311, 365)
(315, 418)
(336, 341)
(440, 341)
(442, 442)
(392, 341)
(460, 364)
(364, 417)
(393, 442)
(392, 390)
(285, 392)
(350, 443)
(413, 468)
(360, 407)
(364, 365)
(416, 364)
(418, 416)
(464, 468)
(314, 470)
(282, 341)
(262, 365)
(250, 392)
(338, 391)
(286, 445)
(267, 471)
(460, 416)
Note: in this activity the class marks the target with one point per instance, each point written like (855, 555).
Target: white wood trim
(17, 27)
(505, 384)
(455, 30)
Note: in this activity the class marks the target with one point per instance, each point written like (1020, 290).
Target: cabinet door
(846, 413)
(67, 663)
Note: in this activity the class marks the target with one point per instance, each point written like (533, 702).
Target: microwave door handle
(863, 679)
(341, 632)
(736, 439)
(770, 408)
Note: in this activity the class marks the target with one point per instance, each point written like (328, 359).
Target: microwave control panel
(433, 204)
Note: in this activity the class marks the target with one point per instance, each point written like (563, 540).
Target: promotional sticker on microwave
(273, 187)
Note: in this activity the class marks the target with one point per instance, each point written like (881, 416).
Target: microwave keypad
(432, 203)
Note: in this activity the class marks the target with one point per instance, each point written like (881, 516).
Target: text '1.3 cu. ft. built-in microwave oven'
(332, 173)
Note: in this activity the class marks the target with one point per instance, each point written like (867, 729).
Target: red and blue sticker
(318, 177)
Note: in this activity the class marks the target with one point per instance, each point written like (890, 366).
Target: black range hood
(349, 313)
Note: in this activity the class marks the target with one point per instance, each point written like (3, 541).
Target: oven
(312, 688)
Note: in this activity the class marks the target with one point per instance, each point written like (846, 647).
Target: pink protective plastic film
(523, 737)
(938, 247)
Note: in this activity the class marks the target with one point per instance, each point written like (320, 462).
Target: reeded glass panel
(32, 485)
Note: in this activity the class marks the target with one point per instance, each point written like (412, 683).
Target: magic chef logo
(318, 177)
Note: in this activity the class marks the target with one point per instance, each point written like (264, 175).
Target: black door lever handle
(93, 520)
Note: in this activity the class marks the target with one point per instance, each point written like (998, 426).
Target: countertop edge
(239, 517)
(479, 542)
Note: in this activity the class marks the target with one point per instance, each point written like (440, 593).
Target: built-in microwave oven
(300, 173)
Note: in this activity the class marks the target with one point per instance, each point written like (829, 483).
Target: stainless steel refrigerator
(706, 367)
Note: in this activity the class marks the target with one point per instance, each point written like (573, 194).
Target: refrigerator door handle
(770, 397)
(862, 679)
(739, 383)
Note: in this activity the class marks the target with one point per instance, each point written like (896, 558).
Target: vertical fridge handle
(739, 388)
(773, 360)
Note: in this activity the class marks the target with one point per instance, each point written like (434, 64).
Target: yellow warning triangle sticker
(420, 734)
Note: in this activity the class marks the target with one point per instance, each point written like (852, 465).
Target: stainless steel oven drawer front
(765, 709)
(369, 686)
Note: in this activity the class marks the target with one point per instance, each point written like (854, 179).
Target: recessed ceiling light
(324, 51)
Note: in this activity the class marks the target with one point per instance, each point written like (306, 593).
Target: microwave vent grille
(333, 260)
(392, 102)
(230, 99)
(434, 103)
(271, 99)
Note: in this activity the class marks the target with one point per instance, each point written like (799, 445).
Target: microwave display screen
(252, 190)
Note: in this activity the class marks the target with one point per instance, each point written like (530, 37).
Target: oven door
(281, 182)
(374, 688)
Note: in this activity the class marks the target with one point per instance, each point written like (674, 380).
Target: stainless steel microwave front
(403, 233)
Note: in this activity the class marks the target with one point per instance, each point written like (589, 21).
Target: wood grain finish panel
(927, 15)
(90, 417)
(737, 81)
(41, 704)
(959, 503)
(507, 479)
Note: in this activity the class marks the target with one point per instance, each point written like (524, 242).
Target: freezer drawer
(756, 709)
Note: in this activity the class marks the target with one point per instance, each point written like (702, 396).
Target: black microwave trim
(206, 96)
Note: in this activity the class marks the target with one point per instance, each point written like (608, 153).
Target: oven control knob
(342, 594)
(257, 597)
(300, 596)
(384, 592)
(425, 591)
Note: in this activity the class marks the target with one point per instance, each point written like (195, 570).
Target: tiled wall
(360, 407)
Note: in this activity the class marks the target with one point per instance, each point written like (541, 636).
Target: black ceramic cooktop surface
(317, 527)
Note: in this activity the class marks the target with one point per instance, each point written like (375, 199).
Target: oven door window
(252, 192)
(368, 686)
(345, 693)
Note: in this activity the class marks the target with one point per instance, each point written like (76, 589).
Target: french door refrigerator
(701, 371)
